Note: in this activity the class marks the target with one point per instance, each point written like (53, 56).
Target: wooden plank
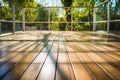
(8, 51)
(110, 52)
(11, 46)
(36, 65)
(63, 68)
(97, 71)
(50, 64)
(20, 62)
(80, 70)
(12, 55)
(114, 62)
(72, 60)
(12, 63)
(4, 44)
(62, 72)
(84, 69)
(113, 71)
(88, 61)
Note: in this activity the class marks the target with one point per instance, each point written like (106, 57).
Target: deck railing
(55, 18)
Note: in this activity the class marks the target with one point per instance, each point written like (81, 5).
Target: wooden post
(0, 21)
(108, 16)
(94, 19)
(23, 18)
(71, 20)
(13, 16)
(49, 19)
(0, 29)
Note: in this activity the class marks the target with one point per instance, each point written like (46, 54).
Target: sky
(50, 3)
(46, 3)
(1, 2)
(54, 3)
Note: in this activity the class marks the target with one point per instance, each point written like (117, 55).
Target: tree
(42, 17)
(115, 10)
(115, 14)
(6, 13)
(83, 13)
(67, 4)
(23, 3)
(30, 14)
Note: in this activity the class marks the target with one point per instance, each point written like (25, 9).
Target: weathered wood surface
(53, 55)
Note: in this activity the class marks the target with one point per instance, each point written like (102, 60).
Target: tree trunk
(68, 4)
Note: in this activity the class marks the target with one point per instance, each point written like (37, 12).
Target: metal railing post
(23, 18)
(0, 21)
(49, 19)
(71, 21)
(108, 16)
(0, 29)
(13, 17)
(94, 19)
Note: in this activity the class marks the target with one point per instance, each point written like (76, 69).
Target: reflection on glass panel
(98, 1)
(115, 26)
(60, 26)
(101, 13)
(36, 26)
(6, 27)
(18, 26)
(42, 26)
(101, 10)
(114, 13)
(115, 9)
(101, 26)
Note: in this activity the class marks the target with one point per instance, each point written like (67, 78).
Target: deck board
(42, 55)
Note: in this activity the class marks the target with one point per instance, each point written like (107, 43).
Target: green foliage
(68, 27)
(67, 3)
(18, 13)
(39, 26)
(82, 14)
(77, 27)
(54, 26)
(42, 26)
(23, 3)
(101, 26)
(54, 14)
(115, 10)
(85, 3)
(6, 13)
(31, 14)
(81, 26)
(115, 14)
(42, 14)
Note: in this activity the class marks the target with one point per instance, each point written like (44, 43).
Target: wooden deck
(52, 55)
